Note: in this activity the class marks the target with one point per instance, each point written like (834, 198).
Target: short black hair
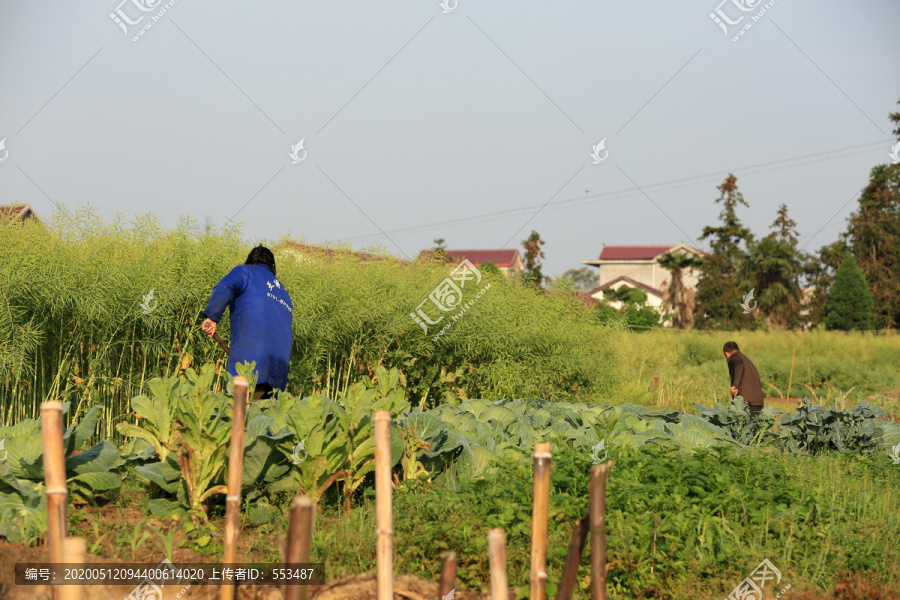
(261, 256)
(730, 347)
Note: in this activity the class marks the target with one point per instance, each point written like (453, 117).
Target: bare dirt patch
(360, 587)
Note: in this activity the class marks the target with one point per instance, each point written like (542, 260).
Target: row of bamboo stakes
(299, 539)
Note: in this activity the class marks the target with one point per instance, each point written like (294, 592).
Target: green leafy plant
(734, 418)
(88, 473)
(313, 447)
(135, 537)
(195, 463)
(412, 446)
(23, 515)
(156, 413)
(813, 428)
(355, 420)
(169, 540)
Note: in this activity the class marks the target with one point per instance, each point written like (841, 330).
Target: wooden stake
(496, 541)
(791, 379)
(597, 505)
(73, 552)
(299, 542)
(573, 559)
(55, 482)
(222, 344)
(384, 534)
(540, 521)
(235, 473)
(448, 573)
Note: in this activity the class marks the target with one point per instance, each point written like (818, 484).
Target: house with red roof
(637, 267)
(16, 213)
(654, 295)
(509, 260)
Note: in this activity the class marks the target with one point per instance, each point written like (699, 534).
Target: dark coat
(745, 378)
(261, 318)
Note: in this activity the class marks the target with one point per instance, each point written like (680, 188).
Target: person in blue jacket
(261, 318)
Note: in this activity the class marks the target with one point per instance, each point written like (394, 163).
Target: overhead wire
(662, 186)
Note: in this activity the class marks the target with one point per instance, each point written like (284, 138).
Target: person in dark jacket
(261, 320)
(744, 378)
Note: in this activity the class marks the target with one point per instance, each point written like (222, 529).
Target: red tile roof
(501, 258)
(587, 299)
(431, 254)
(616, 253)
(633, 252)
(629, 280)
(16, 211)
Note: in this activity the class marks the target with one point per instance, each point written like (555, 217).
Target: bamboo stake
(73, 552)
(573, 559)
(55, 482)
(384, 533)
(540, 521)
(448, 574)
(598, 530)
(235, 472)
(299, 542)
(496, 541)
(791, 379)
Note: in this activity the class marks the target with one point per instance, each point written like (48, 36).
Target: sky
(469, 121)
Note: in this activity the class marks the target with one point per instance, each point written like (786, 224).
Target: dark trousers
(755, 408)
(265, 388)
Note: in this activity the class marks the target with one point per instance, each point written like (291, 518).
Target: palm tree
(677, 298)
(772, 268)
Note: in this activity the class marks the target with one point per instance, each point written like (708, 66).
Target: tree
(533, 256)
(772, 269)
(635, 314)
(440, 244)
(785, 227)
(850, 304)
(718, 295)
(677, 298)
(584, 279)
(819, 271)
(895, 117)
(625, 295)
(873, 234)
(489, 269)
(874, 238)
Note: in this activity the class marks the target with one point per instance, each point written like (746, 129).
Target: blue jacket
(261, 317)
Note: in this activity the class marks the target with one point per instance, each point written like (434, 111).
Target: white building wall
(649, 273)
(642, 272)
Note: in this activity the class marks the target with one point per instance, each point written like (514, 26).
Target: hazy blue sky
(473, 125)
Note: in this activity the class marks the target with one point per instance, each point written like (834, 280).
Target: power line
(665, 185)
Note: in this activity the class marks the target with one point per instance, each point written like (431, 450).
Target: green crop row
(78, 321)
(325, 448)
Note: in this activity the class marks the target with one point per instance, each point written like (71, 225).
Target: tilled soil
(360, 587)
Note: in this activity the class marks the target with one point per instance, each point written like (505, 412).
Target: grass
(674, 369)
